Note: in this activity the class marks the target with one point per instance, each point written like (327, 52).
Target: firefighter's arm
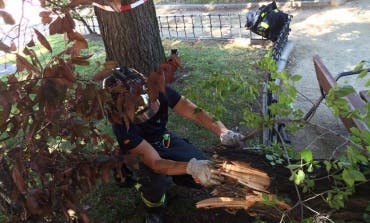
(199, 169)
(189, 110)
(151, 158)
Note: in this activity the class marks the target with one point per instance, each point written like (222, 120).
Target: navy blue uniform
(155, 185)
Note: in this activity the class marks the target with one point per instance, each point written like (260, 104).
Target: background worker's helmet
(131, 84)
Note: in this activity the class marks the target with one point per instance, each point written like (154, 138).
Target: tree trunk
(132, 38)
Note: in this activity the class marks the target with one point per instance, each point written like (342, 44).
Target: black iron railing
(190, 26)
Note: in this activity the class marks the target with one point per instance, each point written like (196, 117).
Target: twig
(289, 163)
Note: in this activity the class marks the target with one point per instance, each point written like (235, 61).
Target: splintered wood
(243, 187)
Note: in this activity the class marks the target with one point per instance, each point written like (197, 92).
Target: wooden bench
(355, 101)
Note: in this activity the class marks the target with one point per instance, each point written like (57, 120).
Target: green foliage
(347, 170)
(355, 161)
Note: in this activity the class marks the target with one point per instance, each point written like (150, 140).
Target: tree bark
(132, 38)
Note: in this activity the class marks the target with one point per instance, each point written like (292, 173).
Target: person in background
(139, 120)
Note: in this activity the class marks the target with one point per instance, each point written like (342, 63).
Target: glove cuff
(190, 166)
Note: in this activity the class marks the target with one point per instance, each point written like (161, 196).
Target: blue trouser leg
(154, 186)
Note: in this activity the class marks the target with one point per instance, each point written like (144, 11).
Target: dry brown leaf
(23, 64)
(80, 44)
(75, 36)
(66, 71)
(4, 47)
(46, 20)
(84, 218)
(174, 59)
(152, 84)
(32, 54)
(110, 64)
(105, 174)
(5, 108)
(32, 205)
(129, 105)
(56, 27)
(77, 61)
(31, 43)
(18, 179)
(45, 14)
(41, 38)
(8, 19)
(84, 57)
(99, 76)
(67, 23)
(13, 47)
(42, 3)
(45, 17)
(168, 72)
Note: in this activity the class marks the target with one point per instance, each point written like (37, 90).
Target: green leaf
(306, 155)
(327, 165)
(270, 157)
(344, 90)
(284, 76)
(299, 177)
(355, 131)
(362, 74)
(366, 136)
(347, 177)
(310, 168)
(359, 66)
(296, 77)
(358, 176)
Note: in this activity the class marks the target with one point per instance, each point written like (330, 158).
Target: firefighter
(165, 157)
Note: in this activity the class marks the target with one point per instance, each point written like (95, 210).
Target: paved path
(340, 35)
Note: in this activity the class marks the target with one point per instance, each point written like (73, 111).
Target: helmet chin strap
(147, 110)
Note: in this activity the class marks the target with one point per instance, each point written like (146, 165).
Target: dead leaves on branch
(5, 108)
(62, 25)
(41, 38)
(45, 17)
(7, 49)
(64, 177)
(51, 103)
(7, 17)
(23, 64)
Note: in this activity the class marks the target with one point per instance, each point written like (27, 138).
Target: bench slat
(327, 81)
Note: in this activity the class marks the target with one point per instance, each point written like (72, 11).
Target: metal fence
(191, 26)
(203, 26)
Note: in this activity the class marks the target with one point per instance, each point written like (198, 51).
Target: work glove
(201, 170)
(231, 138)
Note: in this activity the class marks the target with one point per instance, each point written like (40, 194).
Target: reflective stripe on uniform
(264, 25)
(150, 204)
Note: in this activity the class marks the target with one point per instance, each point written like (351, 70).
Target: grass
(222, 62)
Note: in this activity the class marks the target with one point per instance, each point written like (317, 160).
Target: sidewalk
(340, 36)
